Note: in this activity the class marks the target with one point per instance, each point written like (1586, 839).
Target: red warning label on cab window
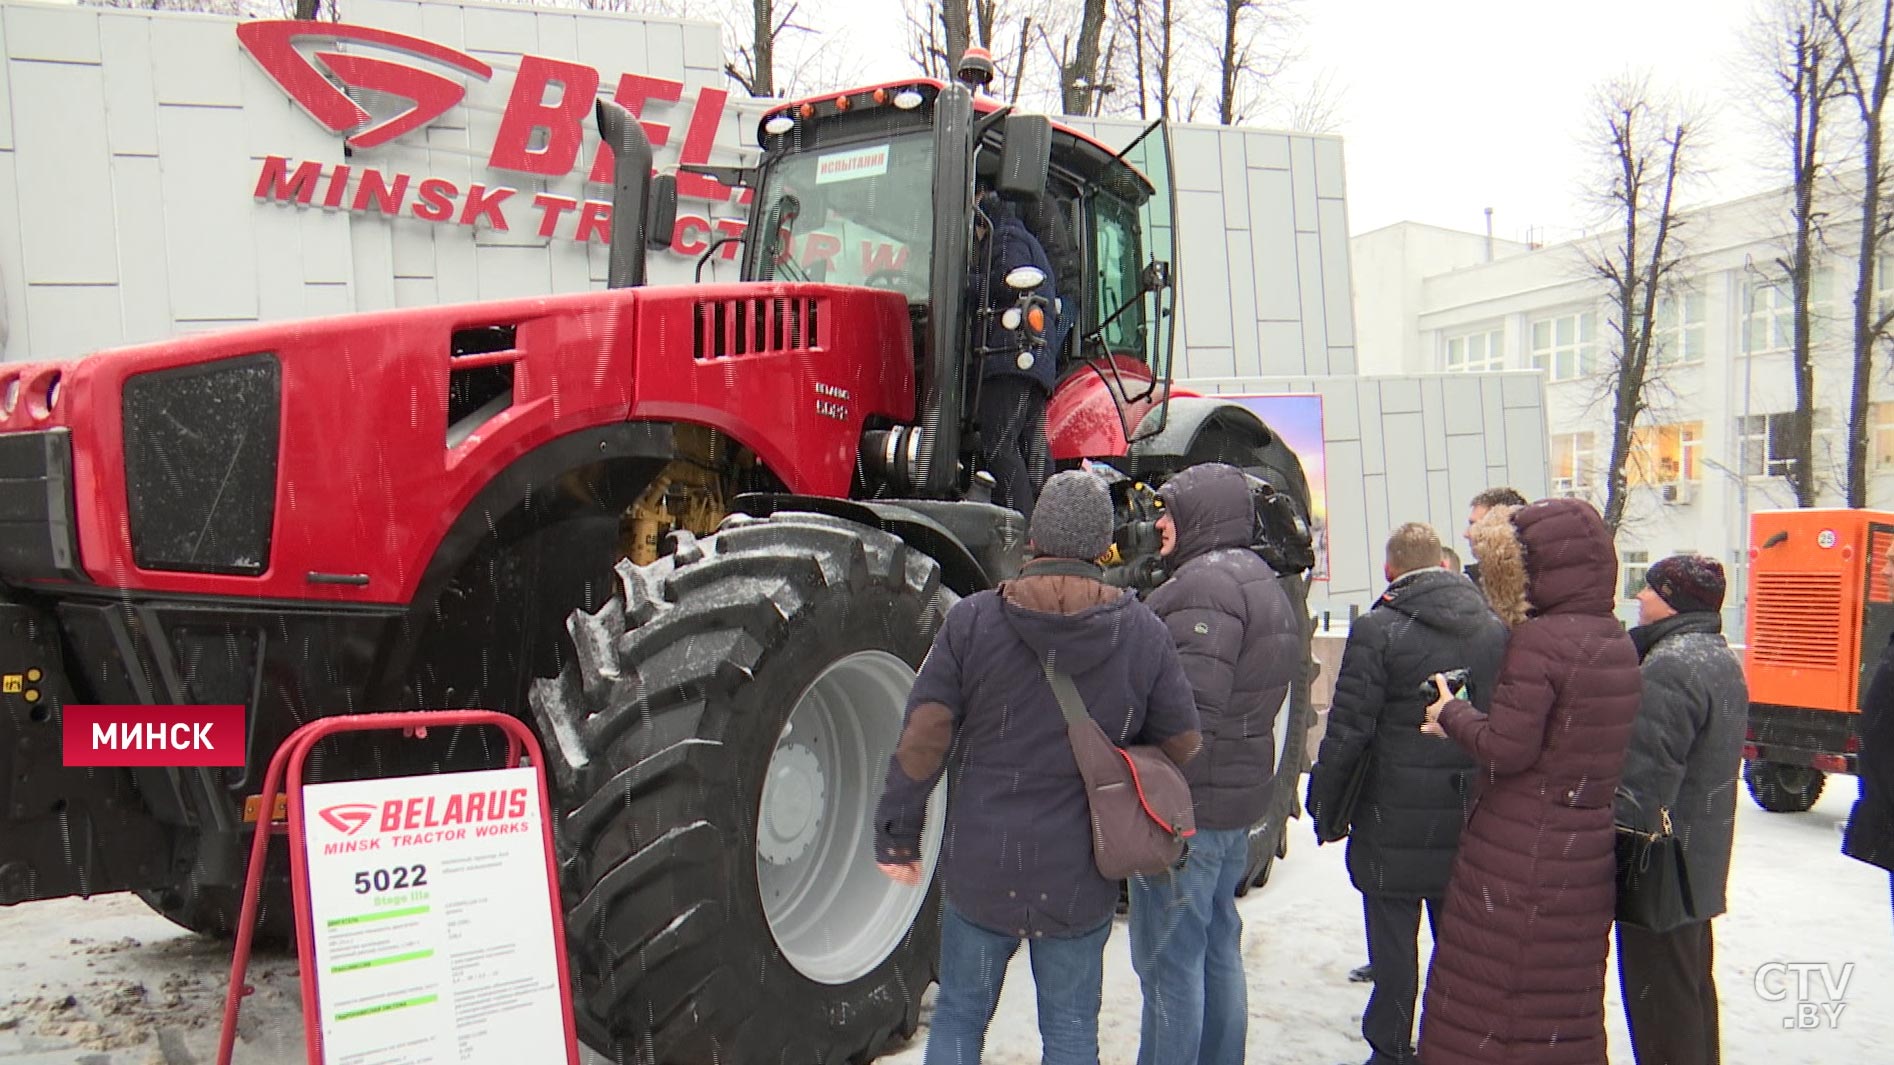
(154, 735)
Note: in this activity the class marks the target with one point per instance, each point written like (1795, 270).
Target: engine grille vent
(755, 326)
(1798, 620)
(200, 464)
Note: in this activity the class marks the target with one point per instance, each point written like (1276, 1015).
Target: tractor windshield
(857, 213)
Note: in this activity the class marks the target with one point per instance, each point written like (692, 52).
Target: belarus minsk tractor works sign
(543, 132)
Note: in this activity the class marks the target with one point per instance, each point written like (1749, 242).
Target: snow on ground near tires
(107, 982)
(1793, 898)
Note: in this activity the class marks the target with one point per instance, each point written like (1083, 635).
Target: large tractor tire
(1783, 789)
(719, 744)
(215, 909)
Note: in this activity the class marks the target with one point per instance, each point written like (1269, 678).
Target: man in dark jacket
(1241, 645)
(1406, 817)
(1016, 372)
(1017, 864)
(1686, 751)
(1870, 835)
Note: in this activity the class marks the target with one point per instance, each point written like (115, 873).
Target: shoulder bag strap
(1066, 692)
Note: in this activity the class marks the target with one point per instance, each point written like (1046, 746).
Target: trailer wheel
(719, 744)
(1783, 789)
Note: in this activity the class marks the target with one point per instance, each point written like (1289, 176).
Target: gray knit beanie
(1072, 517)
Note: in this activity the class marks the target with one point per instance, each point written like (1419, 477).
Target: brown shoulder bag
(1141, 807)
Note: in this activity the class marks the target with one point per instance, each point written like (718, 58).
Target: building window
(1634, 564)
(1476, 352)
(1562, 346)
(1677, 330)
(1665, 454)
(1881, 416)
(1769, 314)
(1767, 444)
(1572, 462)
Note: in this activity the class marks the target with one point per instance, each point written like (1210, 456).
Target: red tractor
(728, 519)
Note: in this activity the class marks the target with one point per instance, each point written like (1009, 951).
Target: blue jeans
(1186, 945)
(1069, 975)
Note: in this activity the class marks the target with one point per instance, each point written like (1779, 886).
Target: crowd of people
(1490, 734)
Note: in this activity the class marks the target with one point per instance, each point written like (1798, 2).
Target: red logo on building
(349, 817)
(544, 132)
(273, 45)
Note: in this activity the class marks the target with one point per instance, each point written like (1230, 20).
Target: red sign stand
(288, 760)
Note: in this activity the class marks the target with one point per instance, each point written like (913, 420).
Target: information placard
(433, 920)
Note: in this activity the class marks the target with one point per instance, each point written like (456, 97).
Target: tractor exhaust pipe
(644, 210)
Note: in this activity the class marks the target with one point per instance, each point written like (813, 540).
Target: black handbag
(1653, 879)
(1338, 823)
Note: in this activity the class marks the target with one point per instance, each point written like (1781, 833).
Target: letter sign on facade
(543, 131)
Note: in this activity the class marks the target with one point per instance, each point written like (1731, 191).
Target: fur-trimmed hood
(1552, 557)
(1502, 563)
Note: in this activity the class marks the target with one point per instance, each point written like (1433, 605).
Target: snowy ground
(1793, 898)
(106, 982)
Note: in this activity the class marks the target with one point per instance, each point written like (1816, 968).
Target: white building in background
(1714, 446)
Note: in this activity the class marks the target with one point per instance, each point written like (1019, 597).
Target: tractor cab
(879, 187)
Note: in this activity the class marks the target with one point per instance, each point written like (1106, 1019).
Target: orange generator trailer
(1819, 614)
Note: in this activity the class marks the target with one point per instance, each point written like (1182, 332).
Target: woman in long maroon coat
(1518, 974)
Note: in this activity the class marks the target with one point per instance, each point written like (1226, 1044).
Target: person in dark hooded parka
(1518, 972)
(1240, 641)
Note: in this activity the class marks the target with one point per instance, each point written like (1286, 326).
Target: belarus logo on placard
(348, 818)
(272, 44)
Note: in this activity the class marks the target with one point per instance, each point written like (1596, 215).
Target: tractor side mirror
(1026, 157)
(1156, 276)
(661, 213)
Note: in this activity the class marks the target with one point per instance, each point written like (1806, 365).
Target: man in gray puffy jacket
(1685, 753)
(1241, 645)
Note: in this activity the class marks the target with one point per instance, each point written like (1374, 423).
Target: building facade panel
(1378, 475)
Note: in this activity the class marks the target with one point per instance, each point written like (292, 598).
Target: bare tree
(1255, 46)
(754, 64)
(1076, 58)
(939, 33)
(1316, 109)
(1796, 51)
(1646, 144)
(1863, 32)
(956, 35)
(1131, 17)
(1157, 38)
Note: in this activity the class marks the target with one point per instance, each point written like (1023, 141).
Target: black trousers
(1670, 994)
(1013, 435)
(1394, 951)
